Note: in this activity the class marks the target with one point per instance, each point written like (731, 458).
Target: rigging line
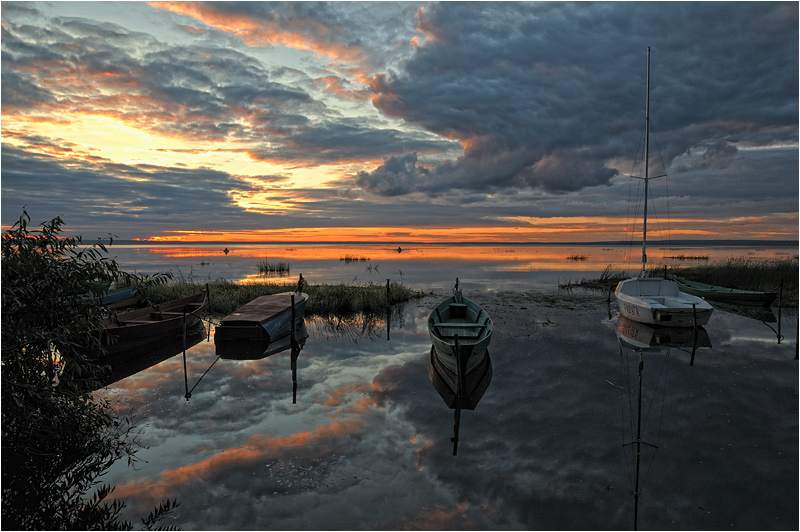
(666, 180)
(632, 233)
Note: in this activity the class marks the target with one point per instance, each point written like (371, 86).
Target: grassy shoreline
(324, 300)
(742, 273)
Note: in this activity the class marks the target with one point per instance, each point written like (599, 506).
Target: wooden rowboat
(459, 321)
(120, 297)
(266, 318)
(460, 368)
(141, 327)
(728, 295)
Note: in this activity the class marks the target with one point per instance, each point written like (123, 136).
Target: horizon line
(671, 242)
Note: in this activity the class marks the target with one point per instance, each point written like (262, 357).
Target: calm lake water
(359, 439)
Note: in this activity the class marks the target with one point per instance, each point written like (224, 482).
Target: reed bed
(324, 300)
(280, 268)
(347, 259)
(687, 257)
(746, 273)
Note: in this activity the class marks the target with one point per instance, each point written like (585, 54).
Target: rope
(204, 374)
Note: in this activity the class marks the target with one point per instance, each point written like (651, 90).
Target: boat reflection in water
(148, 355)
(261, 349)
(655, 344)
(467, 395)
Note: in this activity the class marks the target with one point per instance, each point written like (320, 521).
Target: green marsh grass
(745, 273)
(324, 300)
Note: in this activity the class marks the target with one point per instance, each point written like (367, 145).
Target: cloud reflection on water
(367, 444)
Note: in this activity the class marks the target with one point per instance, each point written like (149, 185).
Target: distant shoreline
(655, 243)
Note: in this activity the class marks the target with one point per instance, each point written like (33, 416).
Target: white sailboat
(653, 300)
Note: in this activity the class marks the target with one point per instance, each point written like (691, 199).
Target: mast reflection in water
(654, 343)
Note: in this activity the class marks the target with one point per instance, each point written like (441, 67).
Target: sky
(400, 121)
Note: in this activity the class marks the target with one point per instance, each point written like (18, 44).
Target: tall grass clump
(280, 268)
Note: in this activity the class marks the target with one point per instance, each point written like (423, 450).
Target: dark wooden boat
(266, 318)
(728, 295)
(137, 328)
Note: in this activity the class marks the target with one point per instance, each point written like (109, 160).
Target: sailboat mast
(646, 165)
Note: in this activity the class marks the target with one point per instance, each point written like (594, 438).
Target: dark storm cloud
(545, 95)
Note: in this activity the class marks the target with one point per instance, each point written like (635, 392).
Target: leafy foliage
(57, 440)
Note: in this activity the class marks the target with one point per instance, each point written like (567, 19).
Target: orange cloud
(298, 33)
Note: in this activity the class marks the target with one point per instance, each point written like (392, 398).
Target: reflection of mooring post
(694, 317)
(186, 395)
(295, 354)
(208, 312)
(780, 306)
(294, 317)
(459, 393)
(638, 443)
(388, 309)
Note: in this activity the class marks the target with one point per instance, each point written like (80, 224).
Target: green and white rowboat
(728, 295)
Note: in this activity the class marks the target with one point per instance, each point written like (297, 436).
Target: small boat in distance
(137, 328)
(727, 295)
(266, 318)
(651, 299)
(459, 321)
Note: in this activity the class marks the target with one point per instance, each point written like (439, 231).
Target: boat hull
(265, 319)
(727, 295)
(260, 349)
(660, 302)
(142, 327)
(459, 317)
(640, 336)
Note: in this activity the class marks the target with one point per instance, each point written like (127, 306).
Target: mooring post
(694, 317)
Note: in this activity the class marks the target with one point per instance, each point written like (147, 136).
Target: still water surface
(363, 442)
